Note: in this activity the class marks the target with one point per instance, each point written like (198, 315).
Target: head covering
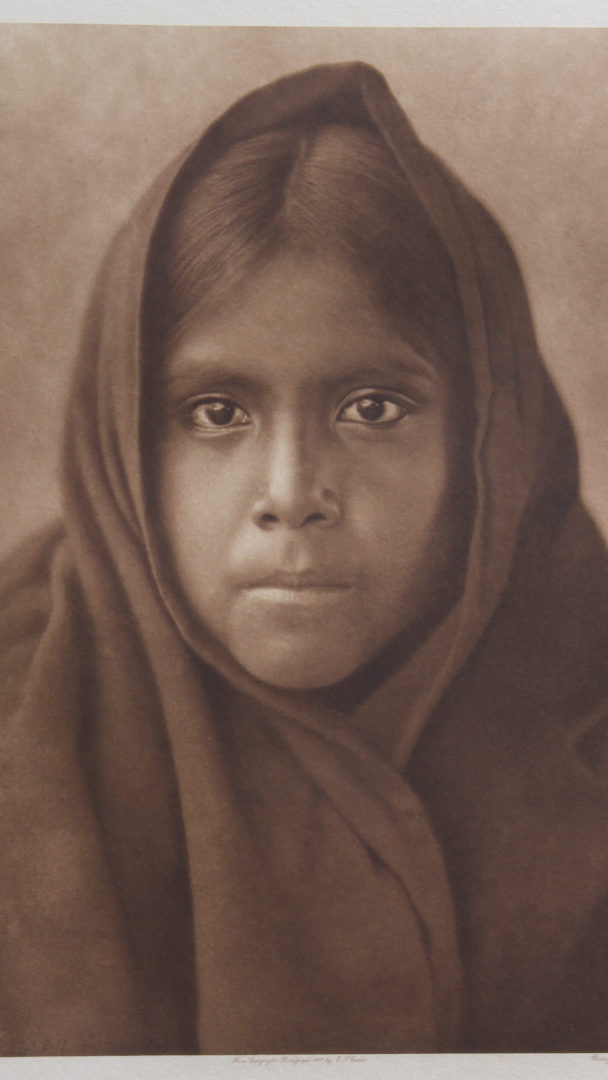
(196, 862)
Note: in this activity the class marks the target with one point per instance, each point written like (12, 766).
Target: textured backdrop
(90, 114)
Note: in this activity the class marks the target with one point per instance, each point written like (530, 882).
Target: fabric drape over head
(193, 862)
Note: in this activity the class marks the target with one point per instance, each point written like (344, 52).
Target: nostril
(267, 519)
(273, 510)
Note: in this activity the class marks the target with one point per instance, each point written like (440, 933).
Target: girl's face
(303, 474)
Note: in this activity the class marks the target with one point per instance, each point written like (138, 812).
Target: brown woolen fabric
(193, 862)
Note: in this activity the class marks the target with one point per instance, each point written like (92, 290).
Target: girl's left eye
(216, 414)
(375, 408)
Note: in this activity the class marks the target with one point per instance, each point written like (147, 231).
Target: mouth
(301, 580)
(308, 587)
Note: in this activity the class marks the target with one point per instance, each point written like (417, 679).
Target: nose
(296, 489)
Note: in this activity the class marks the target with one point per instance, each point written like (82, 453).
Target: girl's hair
(331, 190)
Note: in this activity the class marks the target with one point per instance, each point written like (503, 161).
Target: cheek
(396, 507)
(200, 510)
(405, 517)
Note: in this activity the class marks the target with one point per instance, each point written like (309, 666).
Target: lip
(303, 581)
(305, 596)
(301, 598)
(305, 590)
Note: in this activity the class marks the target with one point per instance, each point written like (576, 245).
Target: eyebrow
(226, 372)
(207, 375)
(392, 363)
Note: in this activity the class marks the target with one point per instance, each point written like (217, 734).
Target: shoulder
(25, 605)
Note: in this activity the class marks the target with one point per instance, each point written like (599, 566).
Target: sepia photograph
(304, 580)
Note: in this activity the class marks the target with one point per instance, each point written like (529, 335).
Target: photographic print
(304, 581)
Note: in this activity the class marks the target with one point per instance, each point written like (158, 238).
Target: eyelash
(222, 402)
(403, 405)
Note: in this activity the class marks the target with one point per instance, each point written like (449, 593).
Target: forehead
(300, 317)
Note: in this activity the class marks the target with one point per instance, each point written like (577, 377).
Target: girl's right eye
(216, 414)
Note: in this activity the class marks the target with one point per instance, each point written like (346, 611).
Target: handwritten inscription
(295, 1059)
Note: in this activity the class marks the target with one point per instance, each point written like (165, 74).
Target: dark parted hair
(332, 189)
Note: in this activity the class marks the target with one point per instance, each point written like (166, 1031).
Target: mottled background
(91, 113)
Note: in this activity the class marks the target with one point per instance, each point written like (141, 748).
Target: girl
(305, 701)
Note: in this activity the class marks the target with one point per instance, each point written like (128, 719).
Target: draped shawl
(193, 862)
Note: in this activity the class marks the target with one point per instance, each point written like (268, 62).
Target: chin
(289, 672)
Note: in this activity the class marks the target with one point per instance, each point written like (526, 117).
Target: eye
(217, 414)
(376, 408)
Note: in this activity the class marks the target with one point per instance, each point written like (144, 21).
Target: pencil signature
(297, 1059)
